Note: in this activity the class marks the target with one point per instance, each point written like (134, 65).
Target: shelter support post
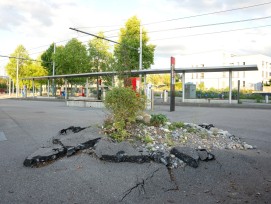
(66, 89)
(87, 88)
(230, 86)
(145, 83)
(9, 86)
(48, 88)
(183, 86)
(33, 89)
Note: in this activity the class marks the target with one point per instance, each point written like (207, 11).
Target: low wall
(85, 103)
(206, 100)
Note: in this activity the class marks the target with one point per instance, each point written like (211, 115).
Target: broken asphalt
(234, 177)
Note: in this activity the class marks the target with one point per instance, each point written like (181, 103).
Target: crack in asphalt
(140, 184)
(173, 180)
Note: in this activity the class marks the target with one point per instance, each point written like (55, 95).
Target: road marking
(2, 136)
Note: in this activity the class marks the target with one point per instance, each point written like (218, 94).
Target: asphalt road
(234, 177)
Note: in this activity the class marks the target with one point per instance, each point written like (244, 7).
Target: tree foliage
(72, 59)
(100, 57)
(47, 59)
(26, 67)
(126, 53)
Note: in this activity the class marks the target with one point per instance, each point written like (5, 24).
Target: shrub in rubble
(124, 104)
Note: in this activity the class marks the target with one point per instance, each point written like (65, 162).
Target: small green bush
(158, 119)
(125, 104)
(147, 139)
(176, 125)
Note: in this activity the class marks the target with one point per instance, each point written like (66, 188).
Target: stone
(71, 129)
(247, 146)
(204, 155)
(139, 118)
(186, 154)
(147, 118)
(45, 154)
(206, 126)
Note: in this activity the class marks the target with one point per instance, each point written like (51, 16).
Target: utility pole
(172, 84)
(17, 77)
(9, 86)
(53, 83)
(140, 55)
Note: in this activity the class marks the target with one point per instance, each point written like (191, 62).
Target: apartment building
(251, 80)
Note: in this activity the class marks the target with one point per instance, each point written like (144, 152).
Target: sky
(177, 27)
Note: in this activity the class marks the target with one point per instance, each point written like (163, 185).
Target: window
(244, 83)
(192, 75)
(244, 63)
(202, 75)
(262, 63)
(266, 75)
(263, 74)
(202, 65)
(244, 74)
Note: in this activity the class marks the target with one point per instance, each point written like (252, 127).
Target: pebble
(164, 139)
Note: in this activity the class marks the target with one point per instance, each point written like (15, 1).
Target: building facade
(250, 80)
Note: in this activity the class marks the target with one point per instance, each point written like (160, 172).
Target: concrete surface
(234, 177)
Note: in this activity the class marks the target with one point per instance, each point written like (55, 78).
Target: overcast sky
(37, 23)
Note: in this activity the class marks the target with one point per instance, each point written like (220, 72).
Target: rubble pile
(172, 144)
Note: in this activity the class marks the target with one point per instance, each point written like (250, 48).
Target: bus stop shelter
(146, 72)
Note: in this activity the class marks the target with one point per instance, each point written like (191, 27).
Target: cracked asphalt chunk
(120, 152)
(45, 154)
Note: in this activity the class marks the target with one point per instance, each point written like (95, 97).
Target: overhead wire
(168, 20)
(210, 33)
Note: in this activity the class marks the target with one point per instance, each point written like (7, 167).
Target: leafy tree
(11, 67)
(3, 83)
(47, 59)
(126, 52)
(34, 69)
(100, 57)
(26, 67)
(159, 79)
(72, 59)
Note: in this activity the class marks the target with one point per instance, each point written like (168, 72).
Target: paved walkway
(235, 176)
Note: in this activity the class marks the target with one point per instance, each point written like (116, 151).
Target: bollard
(266, 98)
(165, 96)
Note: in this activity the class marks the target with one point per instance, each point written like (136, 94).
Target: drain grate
(2, 136)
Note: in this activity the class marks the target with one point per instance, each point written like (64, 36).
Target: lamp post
(17, 77)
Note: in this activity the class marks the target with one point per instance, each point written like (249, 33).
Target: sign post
(172, 84)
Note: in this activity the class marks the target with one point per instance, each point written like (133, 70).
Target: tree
(126, 53)
(72, 59)
(26, 67)
(11, 67)
(100, 57)
(34, 69)
(47, 59)
(159, 79)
